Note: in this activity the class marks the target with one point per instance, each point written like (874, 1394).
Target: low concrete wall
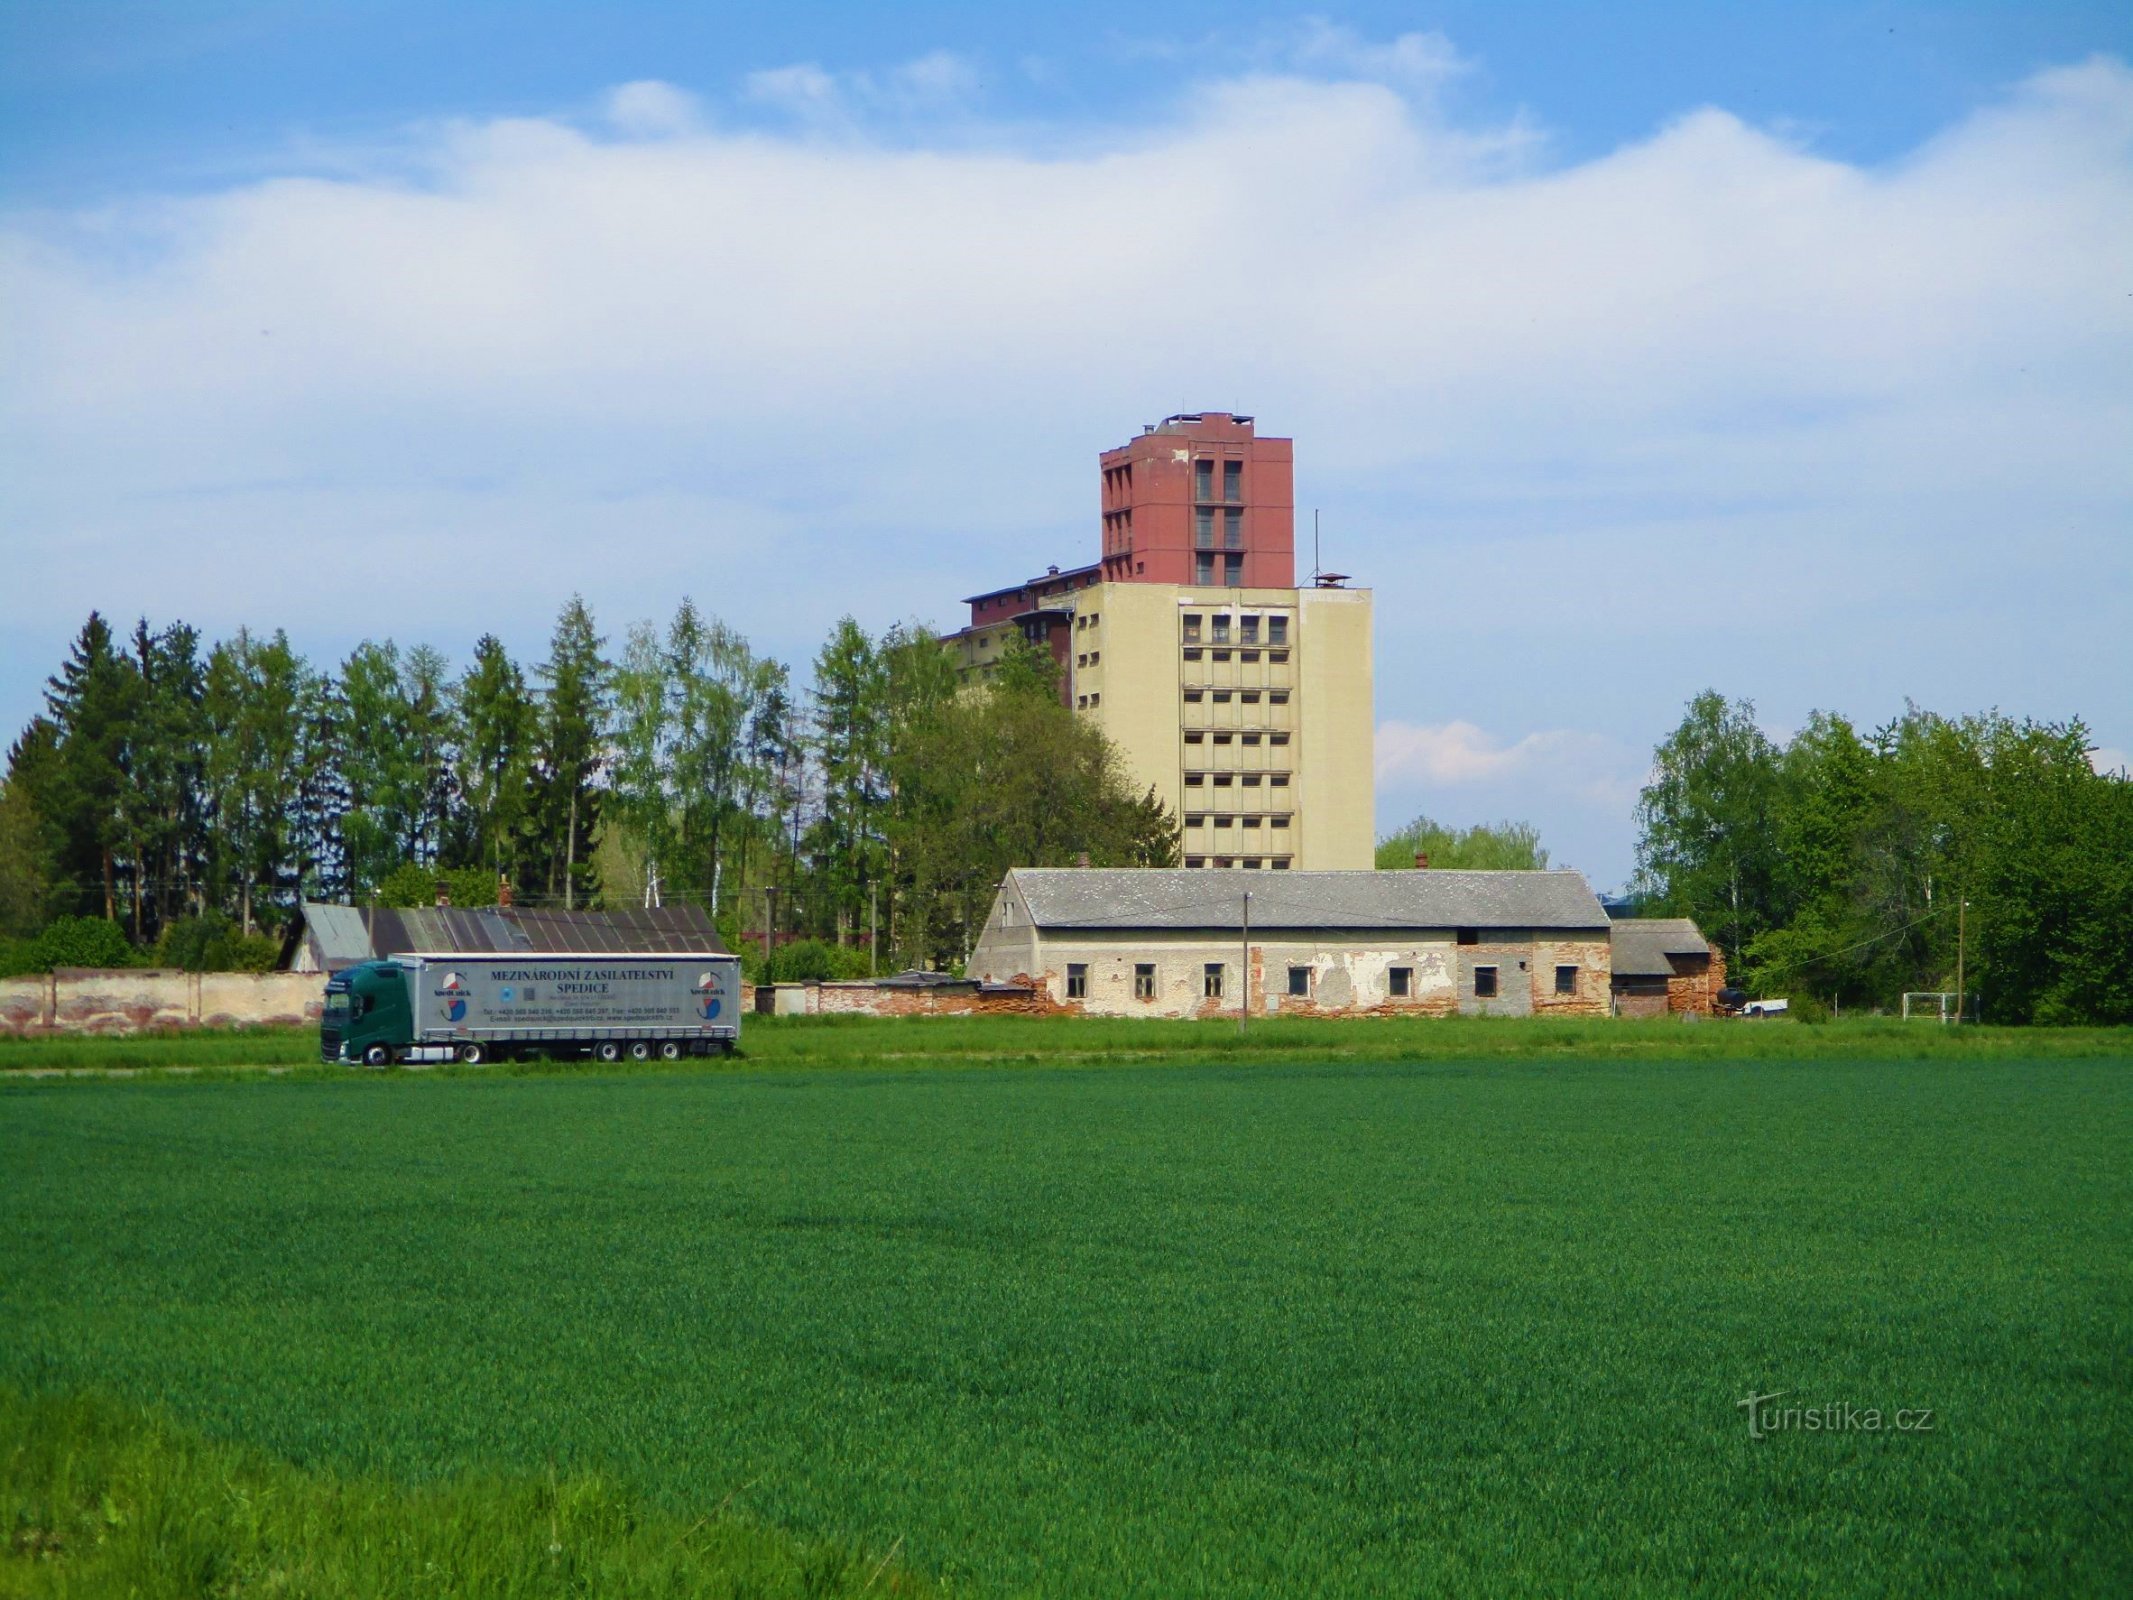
(128, 1000)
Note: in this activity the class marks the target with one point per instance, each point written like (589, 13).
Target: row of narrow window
(1399, 981)
(1203, 571)
(1249, 863)
(1247, 630)
(1203, 529)
(1203, 480)
(1250, 780)
(1192, 653)
(1275, 820)
(1225, 735)
(1246, 697)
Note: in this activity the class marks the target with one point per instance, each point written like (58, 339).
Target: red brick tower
(1200, 499)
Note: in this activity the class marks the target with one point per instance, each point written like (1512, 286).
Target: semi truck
(475, 1008)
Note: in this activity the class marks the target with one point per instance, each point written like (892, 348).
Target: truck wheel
(670, 1051)
(471, 1054)
(377, 1056)
(640, 1051)
(608, 1050)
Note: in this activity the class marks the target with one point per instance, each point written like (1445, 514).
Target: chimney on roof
(503, 890)
(1421, 860)
(444, 895)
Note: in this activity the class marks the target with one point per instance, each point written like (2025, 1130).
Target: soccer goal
(1932, 1005)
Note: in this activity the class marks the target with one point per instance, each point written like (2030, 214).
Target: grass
(100, 1498)
(1167, 1328)
(869, 1042)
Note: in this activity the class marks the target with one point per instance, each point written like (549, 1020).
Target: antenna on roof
(1314, 545)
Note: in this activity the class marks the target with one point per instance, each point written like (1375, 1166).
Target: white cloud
(1709, 409)
(1453, 755)
(803, 89)
(1420, 62)
(651, 109)
(928, 85)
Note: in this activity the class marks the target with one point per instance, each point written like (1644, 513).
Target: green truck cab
(367, 1017)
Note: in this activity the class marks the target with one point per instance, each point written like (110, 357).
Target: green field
(1473, 1323)
(872, 1043)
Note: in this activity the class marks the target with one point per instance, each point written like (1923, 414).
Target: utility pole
(1244, 988)
(770, 919)
(1962, 907)
(873, 966)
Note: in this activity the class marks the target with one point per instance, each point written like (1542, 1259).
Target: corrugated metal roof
(1641, 945)
(1176, 898)
(512, 930)
(338, 934)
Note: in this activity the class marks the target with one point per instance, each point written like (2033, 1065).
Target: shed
(1663, 966)
(327, 937)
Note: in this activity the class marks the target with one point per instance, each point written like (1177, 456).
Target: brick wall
(863, 998)
(1695, 984)
(75, 1000)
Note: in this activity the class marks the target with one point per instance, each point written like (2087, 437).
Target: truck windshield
(336, 1005)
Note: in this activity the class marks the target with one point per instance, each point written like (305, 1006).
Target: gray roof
(1642, 945)
(1176, 898)
(338, 934)
(351, 933)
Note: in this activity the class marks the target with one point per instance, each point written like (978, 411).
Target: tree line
(177, 789)
(1845, 868)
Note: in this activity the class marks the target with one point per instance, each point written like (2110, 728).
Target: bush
(81, 942)
(212, 943)
(816, 961)
(16, 958)
(410, 885)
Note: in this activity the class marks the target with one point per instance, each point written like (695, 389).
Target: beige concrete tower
(1244, 702)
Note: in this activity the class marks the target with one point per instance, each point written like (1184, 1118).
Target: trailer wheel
(670, 1051)
(471, 1054)
(608, 1050)
(640, 1051)
(377, 1056)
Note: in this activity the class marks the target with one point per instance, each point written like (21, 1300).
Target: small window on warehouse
(1077, 980)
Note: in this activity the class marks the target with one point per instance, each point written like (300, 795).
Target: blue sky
(1628, 350)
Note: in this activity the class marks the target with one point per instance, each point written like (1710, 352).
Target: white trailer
(481, 1007)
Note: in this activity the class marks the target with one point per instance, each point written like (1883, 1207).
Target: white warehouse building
(1132, 941)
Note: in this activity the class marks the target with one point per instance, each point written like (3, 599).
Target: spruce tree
(574, 713)
(498, 725)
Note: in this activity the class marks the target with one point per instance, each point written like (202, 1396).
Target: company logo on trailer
(707, 995)
(453, 993)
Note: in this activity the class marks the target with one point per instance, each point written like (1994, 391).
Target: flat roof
(1027, 584)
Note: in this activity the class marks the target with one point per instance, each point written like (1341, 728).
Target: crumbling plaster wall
(128, 1000)
(1348, 976)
